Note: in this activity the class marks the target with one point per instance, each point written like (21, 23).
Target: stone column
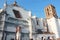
(30, 26)
(18, 31)
(3, 25)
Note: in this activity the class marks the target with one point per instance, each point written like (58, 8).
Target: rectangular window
(37, 21)
(17, 14)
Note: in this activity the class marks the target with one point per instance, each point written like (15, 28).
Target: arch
(17, 14)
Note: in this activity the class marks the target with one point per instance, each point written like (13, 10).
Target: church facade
(31, 27)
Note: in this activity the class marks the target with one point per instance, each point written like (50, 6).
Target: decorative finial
(5, 3)
(15, 3)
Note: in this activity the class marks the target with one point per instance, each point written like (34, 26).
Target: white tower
(52, 19)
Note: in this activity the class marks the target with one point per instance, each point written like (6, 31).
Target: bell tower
(50, 12)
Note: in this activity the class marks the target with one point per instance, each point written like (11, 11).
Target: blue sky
(36, 6)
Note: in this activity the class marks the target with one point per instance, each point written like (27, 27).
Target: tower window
(47, 9)
(17, 14)
(48, 13)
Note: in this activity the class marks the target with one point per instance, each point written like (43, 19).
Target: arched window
(37, 21)
(48, 38)
(42, 38)
(17, 14)
(31, 39)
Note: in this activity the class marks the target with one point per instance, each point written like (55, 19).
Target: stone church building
(31, 27)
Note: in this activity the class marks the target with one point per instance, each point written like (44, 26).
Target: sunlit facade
(13, 16)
